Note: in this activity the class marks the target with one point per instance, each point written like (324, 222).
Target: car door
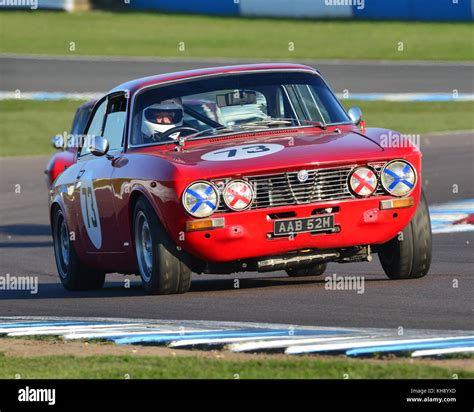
(94, 184)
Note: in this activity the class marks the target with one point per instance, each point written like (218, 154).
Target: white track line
(125, 333)
(61, 329)
(176, 59)
(444, 351)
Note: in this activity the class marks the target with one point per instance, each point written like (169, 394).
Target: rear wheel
(408, 255)
(315, 270)
(161, 270)
(72, 273)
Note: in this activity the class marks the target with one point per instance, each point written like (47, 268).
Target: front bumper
(248, 234)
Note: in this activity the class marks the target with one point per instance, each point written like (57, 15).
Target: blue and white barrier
(452, 217)
(424, 10)
(244, 337)
(388, 97)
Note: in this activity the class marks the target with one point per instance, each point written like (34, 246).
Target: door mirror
(355, 114)
(98, 146)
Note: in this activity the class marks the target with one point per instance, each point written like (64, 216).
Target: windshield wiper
(275, 122)
(220, 129)
(321, 125)
(270, 122)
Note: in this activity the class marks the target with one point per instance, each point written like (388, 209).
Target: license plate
(310, 224)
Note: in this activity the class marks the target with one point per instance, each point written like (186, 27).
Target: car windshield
(233, 103)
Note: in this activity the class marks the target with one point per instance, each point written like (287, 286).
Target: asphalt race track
(428, 303)
(99, 75)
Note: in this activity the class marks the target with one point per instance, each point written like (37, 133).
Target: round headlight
(200, 199)
(363, 181)
(398, 177)
(238, 195)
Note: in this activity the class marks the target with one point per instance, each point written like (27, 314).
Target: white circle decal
(244, 151)
(90, 213)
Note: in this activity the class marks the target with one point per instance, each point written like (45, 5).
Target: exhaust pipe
(269, 265)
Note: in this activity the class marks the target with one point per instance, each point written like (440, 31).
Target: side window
(305, 103)
(295, 103)
(95, 127)
(310, 104)
(115, 122)
(281, 106)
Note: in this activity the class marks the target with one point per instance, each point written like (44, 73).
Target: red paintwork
(468, 220)
(57, 164)
(118, 182)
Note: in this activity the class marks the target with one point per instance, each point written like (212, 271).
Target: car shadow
(25, 230)
(19, 245)
(114, 289)
(12, 235)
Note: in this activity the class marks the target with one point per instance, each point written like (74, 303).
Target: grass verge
(154, 34)
(196, 367)
(53, 357)
(416, 117)
(27, 126)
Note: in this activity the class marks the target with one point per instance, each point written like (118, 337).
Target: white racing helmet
(160, 117)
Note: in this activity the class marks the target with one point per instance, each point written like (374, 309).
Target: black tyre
(161, 269)
(315, 270)
(408, 256)
(72, 273)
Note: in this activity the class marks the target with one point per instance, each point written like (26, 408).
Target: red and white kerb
(238, 195)
(363, 181)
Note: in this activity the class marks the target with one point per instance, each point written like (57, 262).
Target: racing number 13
(250, 149)
(89, 201)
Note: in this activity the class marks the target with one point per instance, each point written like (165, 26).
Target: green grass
(416, 117)
(116, 367)
(153, 34)
(26, 127)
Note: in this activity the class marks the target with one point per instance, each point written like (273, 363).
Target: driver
(160, 117)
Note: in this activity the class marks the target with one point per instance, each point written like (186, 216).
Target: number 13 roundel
(241, 152)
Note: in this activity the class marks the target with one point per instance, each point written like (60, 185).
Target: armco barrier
(221, 7)
(428, 10)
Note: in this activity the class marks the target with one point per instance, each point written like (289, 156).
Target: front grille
(284, 189)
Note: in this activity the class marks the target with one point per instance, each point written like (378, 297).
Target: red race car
(231, 169)
(68, 145)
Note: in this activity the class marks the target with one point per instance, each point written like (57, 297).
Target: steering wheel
(165, 135)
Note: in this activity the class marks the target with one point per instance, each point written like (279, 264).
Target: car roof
(133, 85)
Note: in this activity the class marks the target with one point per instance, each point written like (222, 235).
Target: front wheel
(161, 270)
(72, 273)
(408, 255)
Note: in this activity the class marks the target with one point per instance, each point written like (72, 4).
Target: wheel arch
(137, 193)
